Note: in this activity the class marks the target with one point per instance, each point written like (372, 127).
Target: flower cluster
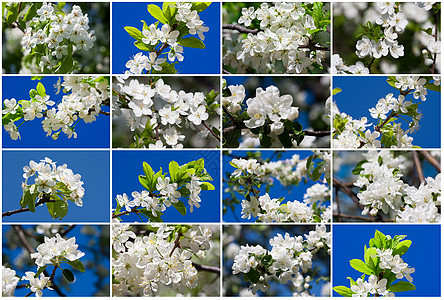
(394, 263)
(85, 96)
(286, 35)
(372, 286)
(166, 37)
(161, 258)
(9, 281)
(51, 178)
(37, 284)
(56, 250)
(58, 35)
(382, 189)
(289, 258)
(250, 173)
(354, 133)
(180, 110)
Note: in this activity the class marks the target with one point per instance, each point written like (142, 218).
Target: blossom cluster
(56, 250)
(383, 189)
(354, 133)
(395, 264)
(83, 101)
(141, 265)
(372, 286)
(287, 172)
(180, 109)
(51, 178)
(167, 37)
(61, 34)
(288, 260)
(286, 35)
(9, 281)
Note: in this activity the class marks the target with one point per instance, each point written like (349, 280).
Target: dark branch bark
(435, 163)
(240, 28)
(418, 167)
(346, 190)
(361, 218)
(209, 129)
(207, 268)
(320, 133)
(20, 210)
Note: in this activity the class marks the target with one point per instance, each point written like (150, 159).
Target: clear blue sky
(84, 284)
(276, 191)
(196, 61)
(360, 93)
(94, 168)
(424, 254)
(252, 236)
(91, 135)
(128, 165)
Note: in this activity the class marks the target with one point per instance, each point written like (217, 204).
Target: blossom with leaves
(386, 132)
(51, 35)
(384, 266)
(52, 185)
(379, 29)
(289, 259)
(253, 177)
(284, 37)
(157, 114)
(84, 99)
(185, 182)
(163, 255)
(164, 41)
(269, 118)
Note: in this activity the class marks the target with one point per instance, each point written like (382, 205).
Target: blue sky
(424, 254)
(91, 135)
(252, 236)
(196, 61)
(360, 93)
(276, 191)
(94, 168)
(128, 165)
(84, 284)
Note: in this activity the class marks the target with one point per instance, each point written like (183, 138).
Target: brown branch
(207, 268)
(418, 167)
(67, 230)
(338, 206)
(435, 163)
(369, 66)
(209, 129)
(320, 133)
(20, 210)
(240, 28)
(133, 210)
(361, 218)
(346, 190)
(391, 115)
(104, 113)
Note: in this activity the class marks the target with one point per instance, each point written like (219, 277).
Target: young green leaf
(360, 266)
(157, 13)
(134, 32)
(206, 186)
(401, 286)
(180, 207)
(40, 271)
(343, 291)
(41, 89)
(174, 170)
(57, 209)
(191, 42)
(66, 65)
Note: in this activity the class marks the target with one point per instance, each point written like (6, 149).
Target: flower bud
(293, 114)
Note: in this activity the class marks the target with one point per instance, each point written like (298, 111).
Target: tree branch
(391, 115)
(435, 163)
(133, 210)
(240, 28)
(418, 167)
(23, 209)
(209, 129)
(346, 190)
(207, 268)
(320, 133)
(361, 218)
(71, 227)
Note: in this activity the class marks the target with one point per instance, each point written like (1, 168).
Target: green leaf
(309, 160)
(343, 291)
(200, 6)
(357, 170)
(157, 13)
(401, 286)
(336, 91)
(68, 275)
(174, 170)
(316, 174)
(66, 66)
(264, 140)
(142, 46)
(77, 264)
(145, 182)
(134, 32)
(253, 275)
(352, 281)
(41, 89)
(360, 266)
(433, 87)
(199, 165)
(32, 11)
(192, 42)
(180, 207)
(12, 14)
(57, 209)
(206, 186)
(380, 236)
(285, 139)
(40, 271)
(402, 247)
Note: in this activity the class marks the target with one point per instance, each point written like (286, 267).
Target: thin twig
(418, 167)
(133, 210)
(435, 163)
(338, 206)
(71, 227)
(209, 129)
(206, 268)
(320, 133)
(362, 218)
(240, 28)
(20, 210)
(346, 190)
(391, 115)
